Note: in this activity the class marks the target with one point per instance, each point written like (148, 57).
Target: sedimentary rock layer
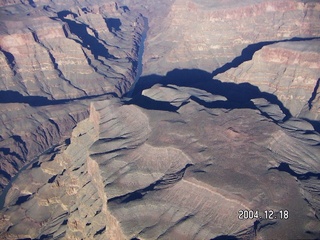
(53, 58)
(186, 150)
(290, 70)
(130, 172)
(69, 53)
(207, 34)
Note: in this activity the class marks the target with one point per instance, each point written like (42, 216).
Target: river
(140, 57)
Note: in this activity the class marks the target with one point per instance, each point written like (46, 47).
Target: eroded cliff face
(131, 172)
(70, 53)
(207, 34)
(28, 131)
(54, 57)
(224, 118)
(64, 195)
(289, 70)
(271, 44)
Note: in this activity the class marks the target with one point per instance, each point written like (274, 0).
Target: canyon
(159, 119)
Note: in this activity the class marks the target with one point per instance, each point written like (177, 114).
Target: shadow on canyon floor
(88, 41)
(38, 101)
(113, 24)
(225, 237)
(285, 167)
(238, 95)
(248, 52)
(16, 97)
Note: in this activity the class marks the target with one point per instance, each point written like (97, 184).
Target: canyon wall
(271, 44)
(224, 118)
(54, 58)
(294, 78)
(207, 34)
(136, 173)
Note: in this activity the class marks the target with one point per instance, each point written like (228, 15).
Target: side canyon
(159, 119)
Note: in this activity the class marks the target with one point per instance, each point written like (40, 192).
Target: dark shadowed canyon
(160, 120)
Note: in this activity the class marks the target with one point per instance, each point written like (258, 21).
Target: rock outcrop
(207, 34)
(70, 53)
(131, 172)
(289, 70)
(53, 59)
(213, 134)
(29, 131)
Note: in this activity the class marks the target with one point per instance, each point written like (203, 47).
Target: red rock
(179, 160)
(290, 70)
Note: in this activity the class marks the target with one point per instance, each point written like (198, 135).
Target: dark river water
(140, 57)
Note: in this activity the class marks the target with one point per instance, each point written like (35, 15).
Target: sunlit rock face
(289, 70)
(271, 44)
(67, 52)
(171, 171)
(217, 139)
(53, 58)
(207, 34)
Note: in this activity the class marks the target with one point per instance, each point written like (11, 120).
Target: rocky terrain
(294, 79)
(159, 120)
(54, 58)
(215, 32)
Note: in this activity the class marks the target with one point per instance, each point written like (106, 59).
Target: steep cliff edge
(227, 153)
(207, 34)
(70, 53)
(65, 196)
(131, 172)
(289, 70)
(54, 60)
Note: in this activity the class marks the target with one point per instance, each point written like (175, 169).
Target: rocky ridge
(294, 78)
(215, 32)
(155, 174)
(54, 58)
(67, 54)
(188, 149)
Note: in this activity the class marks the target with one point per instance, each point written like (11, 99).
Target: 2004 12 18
(266, 214)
